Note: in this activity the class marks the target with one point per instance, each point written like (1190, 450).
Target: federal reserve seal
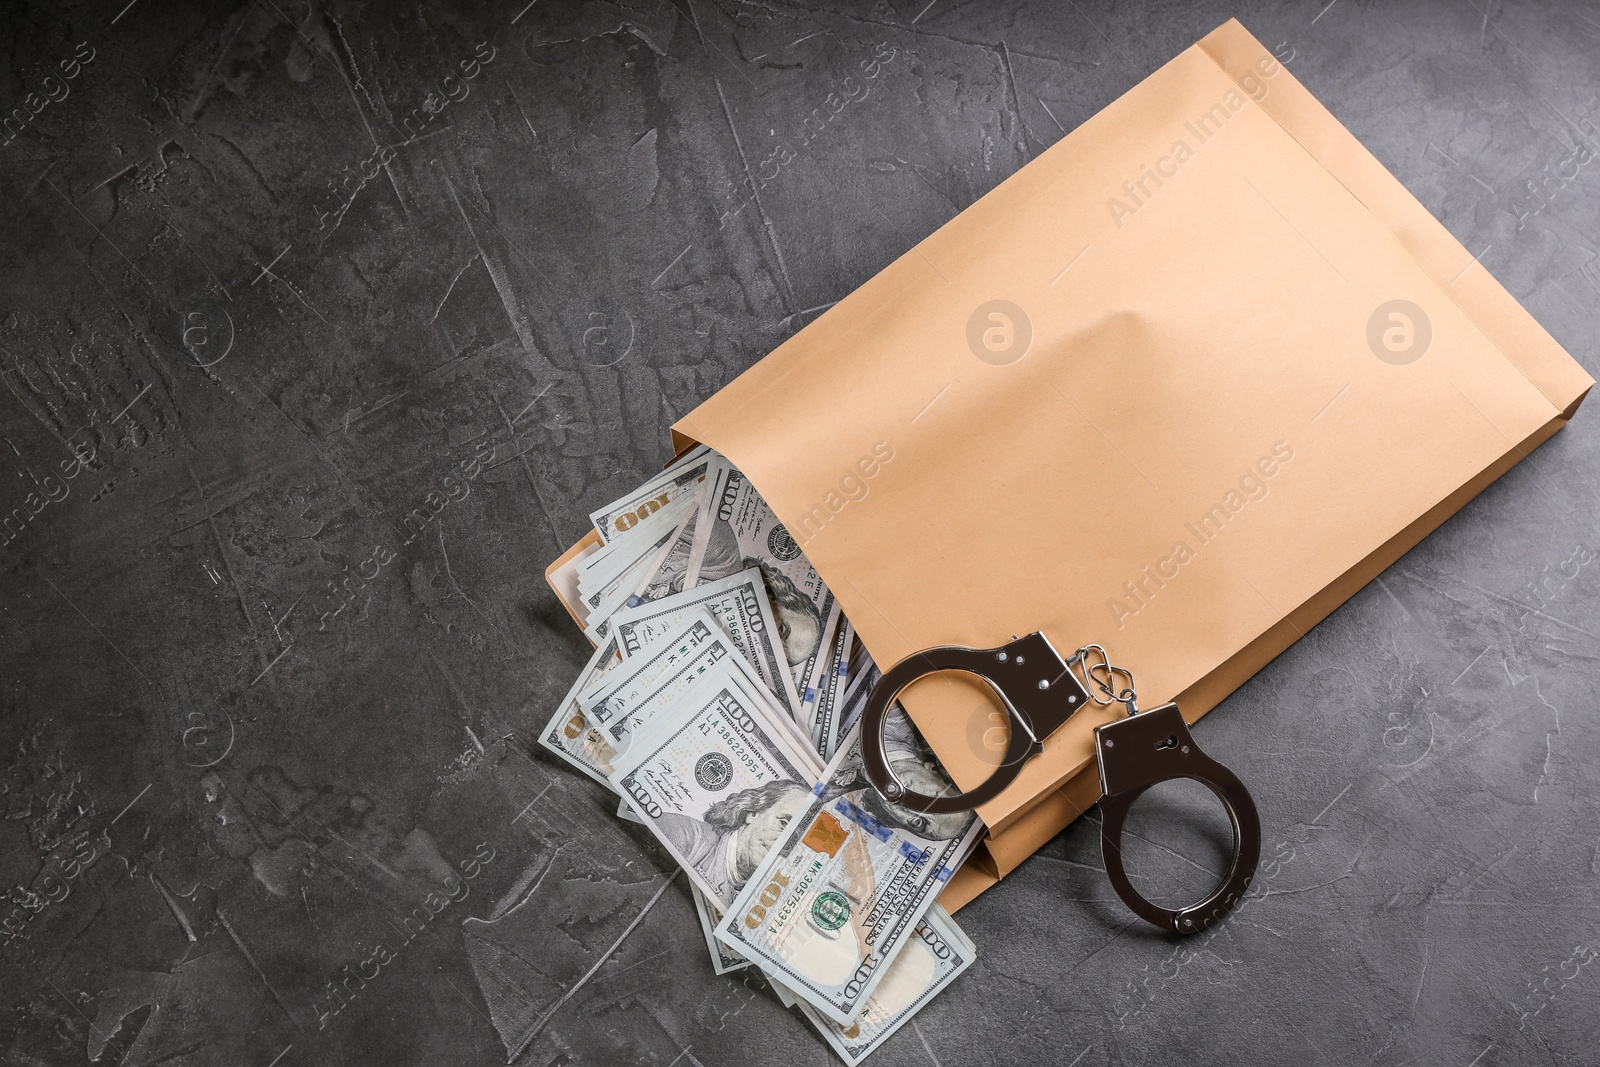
(830, 910)
(781, 545)
(713, 772)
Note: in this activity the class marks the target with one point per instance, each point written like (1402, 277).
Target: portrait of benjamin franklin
(736, 833)
(799, 624)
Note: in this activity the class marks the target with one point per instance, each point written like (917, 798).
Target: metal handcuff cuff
(1041, 691)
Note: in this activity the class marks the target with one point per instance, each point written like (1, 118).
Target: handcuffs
(1041, 691)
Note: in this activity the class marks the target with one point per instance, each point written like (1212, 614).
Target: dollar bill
(740, 606)
(623, 514)
(723, 959)
(627, 697)
(603, 601)
(716, 777)
(742, 532)
(936, 953)
(670, 575)
(862, 677)
(638, 546)
(568, 733)
(842, 890)
(828, 701)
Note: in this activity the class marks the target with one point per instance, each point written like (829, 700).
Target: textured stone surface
(272, 662)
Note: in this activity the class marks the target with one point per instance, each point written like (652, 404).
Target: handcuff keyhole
(1171, 742)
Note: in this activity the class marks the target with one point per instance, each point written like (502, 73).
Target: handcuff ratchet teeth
(1040, 691)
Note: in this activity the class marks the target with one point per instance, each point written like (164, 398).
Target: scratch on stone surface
(222, 550)
(1471, 665)
(669, 266)
(534, 801)
(172, 905)
(918, 1030)
(1052, 115)
(686, 1054)
(508, 299)
(538, 497)
(1331, 803)
(130, 804)
(1544, 771)
(519, 894)
(544, 1019)
(1354, 863)
(96, 629)
(271, 665)
(761, 208)
(1485, 872)
(1421, 978)
(445, 553)
(232, 933)
(1016, 102)
(452, 287)
(514, 99)
(916, 172)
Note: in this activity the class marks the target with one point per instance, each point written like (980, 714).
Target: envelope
(1180, 386)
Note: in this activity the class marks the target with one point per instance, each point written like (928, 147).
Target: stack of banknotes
(720, 705)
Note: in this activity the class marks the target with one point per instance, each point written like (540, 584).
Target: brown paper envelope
(1200, 453)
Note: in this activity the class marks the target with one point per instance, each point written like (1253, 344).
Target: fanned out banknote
(683, 475)
(627, 697)
(828, 700)
(568, 733)
(839, 893)
(671, 572)
(639, 556)
(640, 542)
(862, 675)
(935, 954)
(715, 777)
(740, 532)
(723, 959)
(739, 604)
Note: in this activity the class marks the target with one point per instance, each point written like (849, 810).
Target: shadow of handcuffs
(1041, 691)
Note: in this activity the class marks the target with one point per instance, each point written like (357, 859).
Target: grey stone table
(324, 324)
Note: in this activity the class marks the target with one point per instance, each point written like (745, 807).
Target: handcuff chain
(1101, 674)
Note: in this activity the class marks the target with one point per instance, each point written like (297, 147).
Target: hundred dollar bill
(824, 710)
(841, 892)
(634, 586)
(742, 532)
(627, 698)
(936, 953)
(624, 513)
(723, 960)
(638, 546)
(568, 733)
(740, 606)
(603, 601)
(864, 674)
(716, 777)
(645, 679)
(672, 564)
